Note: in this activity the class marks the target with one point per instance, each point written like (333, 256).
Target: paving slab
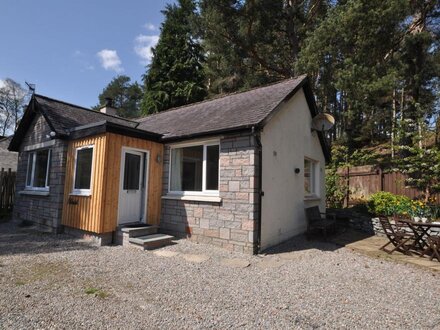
(196, 258)
(235, 263)
(166, 254)
(370, 245)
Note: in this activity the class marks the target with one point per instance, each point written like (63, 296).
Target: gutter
(256, 134)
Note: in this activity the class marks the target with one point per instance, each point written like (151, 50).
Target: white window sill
(311, 198)
(34, 192)
(83, 194)
(197, 198)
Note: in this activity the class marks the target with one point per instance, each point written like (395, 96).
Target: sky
(71, 49)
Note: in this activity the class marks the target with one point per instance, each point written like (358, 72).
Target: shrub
(335, 189)
(388, 204)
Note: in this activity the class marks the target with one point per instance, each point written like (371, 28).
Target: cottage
(236, 171)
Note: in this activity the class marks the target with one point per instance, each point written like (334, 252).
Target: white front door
(132, 186)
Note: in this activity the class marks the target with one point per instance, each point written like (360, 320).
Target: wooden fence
(362, 181)
(7, 190)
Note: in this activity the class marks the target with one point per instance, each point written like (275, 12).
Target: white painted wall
(286, 140)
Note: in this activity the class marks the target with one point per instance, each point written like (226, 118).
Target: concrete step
(139, 231)
(150, 242)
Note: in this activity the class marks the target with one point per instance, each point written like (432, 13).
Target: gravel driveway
(51, 281)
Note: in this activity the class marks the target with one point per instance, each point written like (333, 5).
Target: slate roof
(64, 116)
(233, 111)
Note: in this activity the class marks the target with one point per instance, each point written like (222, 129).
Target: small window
(83, 170)
(310, 177)
(38, 170)
(195, 169)
(132, 171)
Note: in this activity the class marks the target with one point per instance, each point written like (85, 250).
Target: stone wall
(232, 223)
(43, 211)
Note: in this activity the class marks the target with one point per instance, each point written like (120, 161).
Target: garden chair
(433, 247)
(398, 238)
(318, 221)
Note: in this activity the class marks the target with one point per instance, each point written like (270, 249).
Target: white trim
(315, 180)
(146, 173)
(83, 192)
(204, 144)
(41, 145)
(34, 160)
(197, 198)
(197, 142)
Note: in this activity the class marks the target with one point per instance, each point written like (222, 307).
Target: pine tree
(125, 95)
(253, 42)
(372, 63)
(175, 76)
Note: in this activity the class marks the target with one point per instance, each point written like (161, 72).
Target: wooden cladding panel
(98, 212)
(115, 143)
(85, 212)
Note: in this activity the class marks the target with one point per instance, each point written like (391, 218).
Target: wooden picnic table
(422, 233)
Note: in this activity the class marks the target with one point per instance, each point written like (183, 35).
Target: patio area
(370, 245)
(60, 282)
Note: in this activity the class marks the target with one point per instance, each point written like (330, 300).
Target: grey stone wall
(8, 159)
(44, 211)
(232, 223)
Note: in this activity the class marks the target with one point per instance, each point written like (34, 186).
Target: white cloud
(110, 60)
(150, 27)
(142, 47)
(2, 83)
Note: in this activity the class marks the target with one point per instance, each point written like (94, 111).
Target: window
(83, 170)
(38, 170)
(310, 177)
(195, 169)
(132, 171)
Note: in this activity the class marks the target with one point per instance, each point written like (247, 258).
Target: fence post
(381, 179)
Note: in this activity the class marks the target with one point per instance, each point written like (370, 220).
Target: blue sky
(72, 49)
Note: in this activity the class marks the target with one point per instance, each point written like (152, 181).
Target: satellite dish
(323, 122)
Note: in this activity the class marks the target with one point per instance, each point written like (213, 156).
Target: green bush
(335, 189)
(388, 204)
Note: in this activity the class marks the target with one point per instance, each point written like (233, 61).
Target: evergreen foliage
(251, 43)
(126, 96)
(175, 76)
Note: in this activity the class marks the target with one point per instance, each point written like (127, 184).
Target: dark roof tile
(228, 112)
(65, 116)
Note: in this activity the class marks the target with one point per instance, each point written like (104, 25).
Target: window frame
(314, 179)
(83, 192)
(204, 191)
(32, 154)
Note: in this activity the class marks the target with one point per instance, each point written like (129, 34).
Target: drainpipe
(256, 135)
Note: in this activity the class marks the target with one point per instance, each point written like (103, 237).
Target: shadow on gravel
(24, 240)
(334, 242)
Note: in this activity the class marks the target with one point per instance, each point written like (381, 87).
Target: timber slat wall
(364, 181)
(98, 213)
(7, 190)
(85, 212)
(115, 144)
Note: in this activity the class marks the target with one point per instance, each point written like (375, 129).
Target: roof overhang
(109, 127)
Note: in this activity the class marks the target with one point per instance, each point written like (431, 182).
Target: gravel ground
(51, 281)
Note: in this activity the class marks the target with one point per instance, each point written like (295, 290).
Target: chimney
(108, 107)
